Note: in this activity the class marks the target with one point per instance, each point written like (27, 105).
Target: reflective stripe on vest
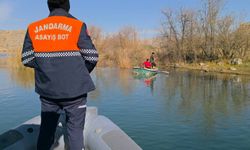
(55, 34)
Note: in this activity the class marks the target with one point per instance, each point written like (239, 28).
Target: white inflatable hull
(100, 134)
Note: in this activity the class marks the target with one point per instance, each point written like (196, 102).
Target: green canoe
(145, 71)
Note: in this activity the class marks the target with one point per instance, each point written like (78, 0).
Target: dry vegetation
(123, 49)
(204, 35)
(187, 36)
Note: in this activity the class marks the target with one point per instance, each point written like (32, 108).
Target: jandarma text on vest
(52, 26)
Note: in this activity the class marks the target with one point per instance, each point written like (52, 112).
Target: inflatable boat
(100, 133)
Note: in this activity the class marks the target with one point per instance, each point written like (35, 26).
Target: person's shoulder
(73, 17)
(81, 20)
(76, 20)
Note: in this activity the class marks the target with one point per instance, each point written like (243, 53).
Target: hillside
(11, 40)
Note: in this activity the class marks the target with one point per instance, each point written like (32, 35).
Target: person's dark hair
(147, 59)
(53, 4)
(153, 52)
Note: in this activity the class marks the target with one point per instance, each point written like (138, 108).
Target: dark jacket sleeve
(87, 49)
(28, 56)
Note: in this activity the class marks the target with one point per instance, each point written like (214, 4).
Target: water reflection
(112, 79)
(147, 79)
(215, 92)
(190, 92)
(191, 108)
(21, 75)
(212, 96)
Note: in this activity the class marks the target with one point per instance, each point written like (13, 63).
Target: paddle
(164, 72)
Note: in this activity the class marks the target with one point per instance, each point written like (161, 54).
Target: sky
(110, 15)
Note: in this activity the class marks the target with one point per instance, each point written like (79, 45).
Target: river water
(182, 111)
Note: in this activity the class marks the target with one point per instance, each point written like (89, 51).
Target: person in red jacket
(62, 54)
(147, 64)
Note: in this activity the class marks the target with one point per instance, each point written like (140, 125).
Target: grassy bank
(243, 69)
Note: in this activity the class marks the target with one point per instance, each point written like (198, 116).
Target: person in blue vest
(62, 54)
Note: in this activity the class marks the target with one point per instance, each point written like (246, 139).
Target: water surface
(184, 110)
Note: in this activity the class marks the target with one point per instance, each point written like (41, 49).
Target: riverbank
(225, 68)
(243, 69)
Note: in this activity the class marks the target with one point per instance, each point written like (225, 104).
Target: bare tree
(242, 41)
(178, 32)
(225, 39)
(208, 17)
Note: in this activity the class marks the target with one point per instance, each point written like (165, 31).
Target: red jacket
(147, 64)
